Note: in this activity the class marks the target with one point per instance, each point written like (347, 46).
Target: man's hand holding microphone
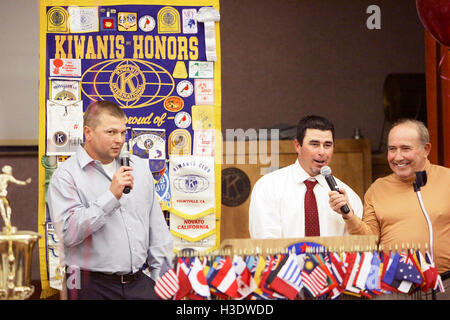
(123, 180)
(338, 197)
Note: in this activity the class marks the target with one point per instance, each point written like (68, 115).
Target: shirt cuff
(108, 202)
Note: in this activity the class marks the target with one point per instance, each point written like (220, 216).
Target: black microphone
(326, 172)
(421, 180)
(124, 158)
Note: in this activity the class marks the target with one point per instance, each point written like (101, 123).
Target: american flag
(167, 283)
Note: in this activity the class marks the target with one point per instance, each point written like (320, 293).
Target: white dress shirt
(277, 205)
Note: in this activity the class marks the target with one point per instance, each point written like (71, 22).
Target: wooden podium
(351, 163)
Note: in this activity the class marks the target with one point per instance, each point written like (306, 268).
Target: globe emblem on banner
(191, 184)
(132, 83)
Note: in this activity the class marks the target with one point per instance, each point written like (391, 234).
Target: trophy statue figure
(6, 177)
(16, 247)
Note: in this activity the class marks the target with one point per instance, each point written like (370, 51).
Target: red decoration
(435, 16)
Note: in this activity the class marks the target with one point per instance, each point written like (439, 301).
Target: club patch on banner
(203, 117)
(169, 20)
(147, 23)
(182, 119)
(189, 21)
(65, 68)
(64, 127)
(64, 90)
(83, 19)
(173, 104)
(180, 142)
(127, 21)
(109, 21)
(150, 144)
(204, 143)
(204, 91)
(201, 69)
(193, 229)
(162, 188)
(185, 88)
(192, 186)
(57, 20)
(180, 72)
(56, 272)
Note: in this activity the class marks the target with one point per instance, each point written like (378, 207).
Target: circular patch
(185, 88)
(235, 187)
(65, 95)
(182, 120)
(191, 183)
(147, 23)
(60, 138)
(173, 104)
(56, 17)
(127, 82)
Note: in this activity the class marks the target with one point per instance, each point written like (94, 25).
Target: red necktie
(311, 213)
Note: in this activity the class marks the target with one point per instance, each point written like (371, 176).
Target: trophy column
(16, 247)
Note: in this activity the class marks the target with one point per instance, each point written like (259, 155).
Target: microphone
(124, 158)
(326, 172)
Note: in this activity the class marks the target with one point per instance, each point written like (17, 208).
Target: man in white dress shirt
(277, 205)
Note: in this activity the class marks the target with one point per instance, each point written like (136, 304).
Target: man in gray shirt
(108, 236)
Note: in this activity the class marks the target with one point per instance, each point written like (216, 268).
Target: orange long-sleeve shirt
(392, 211)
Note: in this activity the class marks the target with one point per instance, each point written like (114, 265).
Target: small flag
(225, 279)
(336, 267)
(198, 280)
(437, 281)
(406, 271)
(373, 279)
(183, 280)
(245, 281)
(288, 280)
(391, 269)
(313, 277)
(167, 283)
(364, 269)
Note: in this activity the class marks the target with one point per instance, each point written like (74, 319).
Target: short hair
(96, 109)
(424, 135)
(313, 122)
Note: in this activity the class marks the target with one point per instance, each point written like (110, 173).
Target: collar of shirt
(84, 158)
(300, 175)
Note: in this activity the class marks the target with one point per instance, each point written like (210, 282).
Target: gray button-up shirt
(101, 233)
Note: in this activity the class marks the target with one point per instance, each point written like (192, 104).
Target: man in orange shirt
(391, 208)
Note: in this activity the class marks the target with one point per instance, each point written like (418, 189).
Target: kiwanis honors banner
(159, 60)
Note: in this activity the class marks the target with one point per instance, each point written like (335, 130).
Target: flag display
(306, 275)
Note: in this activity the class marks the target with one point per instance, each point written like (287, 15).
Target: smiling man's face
(316, 151)
(406, 154)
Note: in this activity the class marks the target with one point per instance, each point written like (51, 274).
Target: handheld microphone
(326, 172)
(124, 158)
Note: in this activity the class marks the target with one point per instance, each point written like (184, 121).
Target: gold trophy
(16, 247)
